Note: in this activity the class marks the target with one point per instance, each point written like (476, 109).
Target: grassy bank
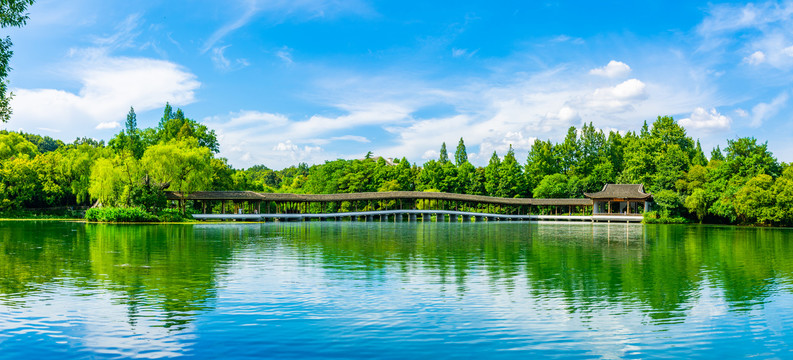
(135, 214)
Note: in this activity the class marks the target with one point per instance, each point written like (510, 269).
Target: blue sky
(312, 80)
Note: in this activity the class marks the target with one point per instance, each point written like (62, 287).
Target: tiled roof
(620, 191)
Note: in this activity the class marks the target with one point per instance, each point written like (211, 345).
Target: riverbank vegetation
(741, 184)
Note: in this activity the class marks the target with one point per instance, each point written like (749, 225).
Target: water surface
(384, 290)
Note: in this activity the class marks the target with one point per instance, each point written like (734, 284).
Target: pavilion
(623, 199)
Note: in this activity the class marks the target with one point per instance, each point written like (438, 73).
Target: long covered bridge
(386, 206)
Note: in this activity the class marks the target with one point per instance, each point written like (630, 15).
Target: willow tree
(106, 182)
(184, 165)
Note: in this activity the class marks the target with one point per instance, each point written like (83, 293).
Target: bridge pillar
(440, 217)
(398, 218)
(426, 217)
(412, 217)
(453, 218)
(369, 218)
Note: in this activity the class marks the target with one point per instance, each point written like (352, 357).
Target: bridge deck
(422, 213)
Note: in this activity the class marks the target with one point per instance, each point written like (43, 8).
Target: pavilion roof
(620, 191)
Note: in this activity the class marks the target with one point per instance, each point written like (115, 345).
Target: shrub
(119, 214)
(173, 215)
(653, 217)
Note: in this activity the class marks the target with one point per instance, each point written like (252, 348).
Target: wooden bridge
(388, 206)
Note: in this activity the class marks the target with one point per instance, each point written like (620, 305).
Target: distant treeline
(744, 184)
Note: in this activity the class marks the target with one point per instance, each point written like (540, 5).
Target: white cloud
(463, 53)
(614, 69)
(276, 135)
(355, 138)
(224, 64)
(511, 107)
(500, 144)
(763, 30)
(727, 18)
(125, 35)
(763, 111)
(564, 39)
(281, 9)
(108, 125)
(702, 119)
(295, 152)
(430, 154)
(108, 87)
(286, 146)
(224, 30)
(757, 57)
(564, 117)
(285, 54)
(619, 98)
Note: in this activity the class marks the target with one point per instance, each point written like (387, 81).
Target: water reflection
(157, 290)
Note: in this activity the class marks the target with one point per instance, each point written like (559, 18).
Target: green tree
(510, 176)
(570, 151)
(783, 193)
(493, 175)
(106, 182)
(746, 158)
(615, 152)
(593, 150)
(18, 183)
(148, 195)
(43, 143)
(460, 155)
(444, 155)
(15, 145)
(698, 203)
(184, 165)
(12, 13)
(669, 203)
(175, 126)
(716, 154)
(557, 186)
(541, 162)
(658, 157)
(699, 156)
(77, 163)
(755, 202)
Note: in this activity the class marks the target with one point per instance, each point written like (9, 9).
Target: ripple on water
(313, 290)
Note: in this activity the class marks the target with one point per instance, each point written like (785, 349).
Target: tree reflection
(175, 269)
(169, 269)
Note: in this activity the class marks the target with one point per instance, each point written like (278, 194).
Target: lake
(394, 290)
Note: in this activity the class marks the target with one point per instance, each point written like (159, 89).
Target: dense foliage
(744, 184)
(132, 170)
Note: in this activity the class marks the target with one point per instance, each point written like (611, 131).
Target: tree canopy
(743, 183)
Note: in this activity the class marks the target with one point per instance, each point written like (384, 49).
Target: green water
(385, 290)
